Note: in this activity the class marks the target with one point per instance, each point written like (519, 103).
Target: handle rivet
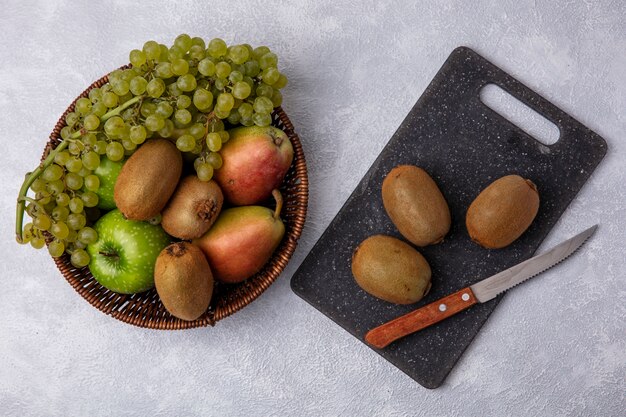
(465, 297)
(443, 307)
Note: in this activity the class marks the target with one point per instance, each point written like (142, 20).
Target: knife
(480, 292)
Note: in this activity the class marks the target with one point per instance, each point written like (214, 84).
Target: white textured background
(555, 346)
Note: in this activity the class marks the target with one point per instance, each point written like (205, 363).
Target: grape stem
(21, 198)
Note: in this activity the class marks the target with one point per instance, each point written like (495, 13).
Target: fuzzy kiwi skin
(391, 270)
(148, 179)
(183, 280)
(415, 205)
(502, 212)
(193, 208)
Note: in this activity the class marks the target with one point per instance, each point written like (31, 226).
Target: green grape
(260, 51)
(137, 134)
(62, 157)
(80, 258)
(42, 222)
(37, 242)
(175, 53)
(92, 183)
(100, 147)
(221, 113)
(137, 58)
(75, 148)
(138, 85)
(186, 143)
(56, 187)
(206, 67)
(110, 99)
(204, 172)
(90, 199)
(263, 105)
(222, 69)
(197, 52)
(252, 68)
(197, 149)
(72, 118)
(197, 41)
(216, 125)
(197, 130)
(183, 101)
(95, 94)
(60, 213)
(59, 230)
(151, 49)
(270, 75)
(52, 173)
(76, 220)
(154, 122)
(217, 48)
(66, 132)
(214, 141)
(183, 116)
(121, 88)
(99, 109)
(247, 121)
(179, 66)
(262, 119)
(128, 145)
(241, 90)
(225, 102)
(91, 160)
(83, 106)
(73, 181)
(128, 115)
(114, 126)
(76, 206)
(234, 117)
(197, 161)
(202, 99)
(245, 110)
(224, 135)
(115, 151)
(174, 90)
(72, 236)
(235, 76)
(164, 53)
(115, 76)
(238, 54)
(43, 197)
(164, 109)
(56, 248)
(148, 108)
(268, 60)
(155, 88)
(277, 98)
(74, 165)
(221, 83)
(186, 82)
(164, 70)
(264, 90)
(183, 41)
(281, 82)
(87, 235)
(215, 160)
(167, 129)
(89, 139)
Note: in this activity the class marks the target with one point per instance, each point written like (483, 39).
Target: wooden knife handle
(421, 318)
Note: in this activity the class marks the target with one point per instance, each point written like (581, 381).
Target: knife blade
(479, 292)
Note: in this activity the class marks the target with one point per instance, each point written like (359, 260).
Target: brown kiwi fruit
(148, 179)
(183, 280)
(502, 211)
(415, 205)
(391, 270)
(193, 208)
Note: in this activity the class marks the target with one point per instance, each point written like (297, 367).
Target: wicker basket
(145, 309)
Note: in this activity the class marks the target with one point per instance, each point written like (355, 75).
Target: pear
(242, 240)
(255, 161)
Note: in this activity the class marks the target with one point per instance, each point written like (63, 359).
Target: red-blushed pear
(255, 161)
(242, 240)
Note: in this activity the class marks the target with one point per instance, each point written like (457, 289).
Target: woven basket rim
(145, 309)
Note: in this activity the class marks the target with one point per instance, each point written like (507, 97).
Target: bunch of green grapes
(189, 93)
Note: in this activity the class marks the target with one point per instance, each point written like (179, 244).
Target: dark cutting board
(464, 145)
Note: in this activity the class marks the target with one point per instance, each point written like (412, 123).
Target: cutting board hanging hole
(518, 113)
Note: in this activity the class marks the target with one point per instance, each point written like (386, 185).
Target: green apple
(123, 257)
(107, 172)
